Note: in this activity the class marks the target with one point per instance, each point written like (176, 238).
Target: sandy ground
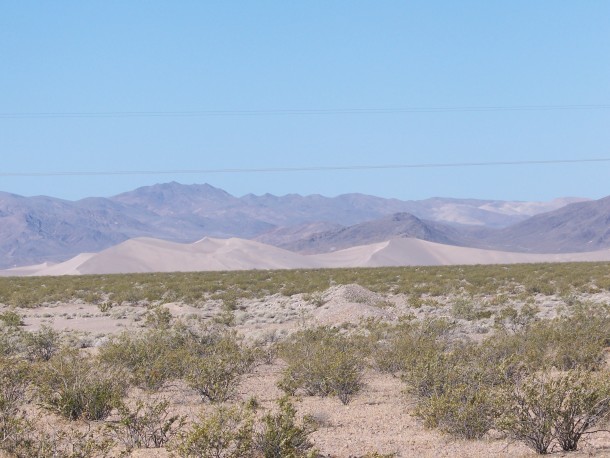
(377, 420)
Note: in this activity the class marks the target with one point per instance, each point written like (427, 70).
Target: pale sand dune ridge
(141, 255)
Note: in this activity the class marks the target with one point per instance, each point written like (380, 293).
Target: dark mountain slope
(393, 226)
(582, 226)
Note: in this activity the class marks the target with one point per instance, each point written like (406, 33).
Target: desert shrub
(316, 298)
(396, 349)
(151, 358)
(226, 432)
(467, 309)
(543, 408)
(216, 365)
(586, 403)
(76, 386)
(512, 320)
(36, 442)
(266, 348)
(454, 391)
(14, 379)
(42, 344)
(462, 410)
(11, 318)
(147, 425)
(282, 437)
(159, 318)
(11, 341)
(321, 362)
(579, 339)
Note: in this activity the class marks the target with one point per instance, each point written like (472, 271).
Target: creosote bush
(321, 362)
(455, 391)
(151, 358)
(11, 318)
(77, 386)
(34, 441)
(146, 425)
(216, 364)
(225, 432)
(14, 379)
(544, 408)
(282, 437)
(398, 348)
(42, 344)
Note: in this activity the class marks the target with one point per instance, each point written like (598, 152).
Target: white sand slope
(153, 255)
(25, 270)
(415, 252)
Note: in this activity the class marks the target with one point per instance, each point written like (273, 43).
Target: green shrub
(226, 432)
(512, 320)
(465, 309)
(215, 368)
(43, 344)
(579, 339)
(148, 425)
(11, 341)
(586, 403)
(454, 389)
(396, 349)
(33, 441)
(77, 387)
(282, 437)
(11, 318)
(151, 358)
(321, 362)
(14, 379)
(461, 410)
(543, 408)
(159, 318)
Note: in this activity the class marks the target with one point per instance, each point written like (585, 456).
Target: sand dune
(154, 255)
(25, 270)
(412, 252)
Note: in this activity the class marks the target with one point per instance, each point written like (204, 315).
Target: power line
(305, 112)
(299, 169)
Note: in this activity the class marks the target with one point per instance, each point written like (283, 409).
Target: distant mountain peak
(56, 229)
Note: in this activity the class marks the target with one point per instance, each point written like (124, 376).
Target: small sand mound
(338, 313)
(350, 304)
(352, 293)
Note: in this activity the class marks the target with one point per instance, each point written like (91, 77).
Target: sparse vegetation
(76, 386)
(282, 437)
(215, 366)
(543, 408)
(226, 432)
(321, 362)
(151, 358)
(521, 350)
(147, 425)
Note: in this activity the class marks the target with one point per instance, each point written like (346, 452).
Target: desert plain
(553, 310)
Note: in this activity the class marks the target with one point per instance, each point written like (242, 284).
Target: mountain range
(42, 229)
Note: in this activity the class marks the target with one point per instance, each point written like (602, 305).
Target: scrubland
(429, 361)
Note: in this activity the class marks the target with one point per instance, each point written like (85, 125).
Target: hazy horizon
(294, 193)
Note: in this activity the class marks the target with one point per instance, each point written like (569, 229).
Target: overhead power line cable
(292, 112)
(300, 169)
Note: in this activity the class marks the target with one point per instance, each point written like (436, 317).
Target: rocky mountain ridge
(42, 229)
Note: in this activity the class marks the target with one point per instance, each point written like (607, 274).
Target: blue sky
(152, 56)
